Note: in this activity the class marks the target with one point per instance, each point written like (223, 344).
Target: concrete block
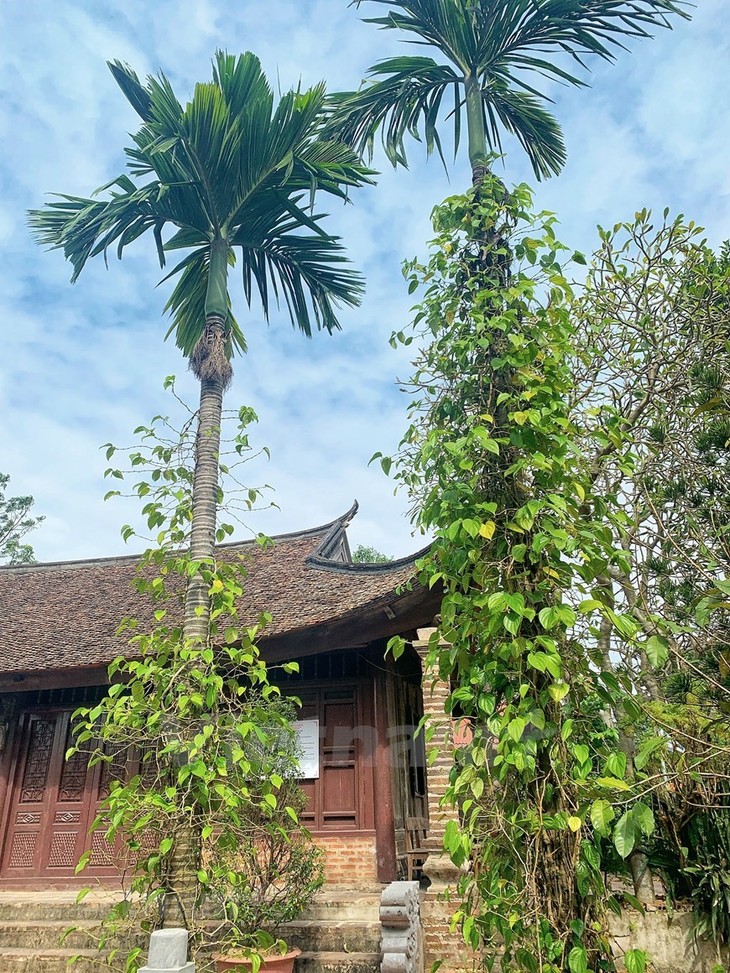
(168, 952)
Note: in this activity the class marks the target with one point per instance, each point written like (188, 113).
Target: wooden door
(51, 804)
(339, 764)
(336, 801)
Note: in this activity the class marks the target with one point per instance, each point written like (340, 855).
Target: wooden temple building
(58, 635)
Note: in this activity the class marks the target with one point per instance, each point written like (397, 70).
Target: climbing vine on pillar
(495, 469)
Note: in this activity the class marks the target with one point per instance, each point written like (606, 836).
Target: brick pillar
(440, 901)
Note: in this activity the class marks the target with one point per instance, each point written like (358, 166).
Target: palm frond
(516, 31)
(407, 100)
(536, 129)
(584, 26)
(241, 81)
(501, 42)
(132, 88)
(229, 165)
(84, 228)
(469, 32)
(447, 25)
(308, 272)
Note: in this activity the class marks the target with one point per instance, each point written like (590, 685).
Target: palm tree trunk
(209, 363)
(205, 503)
(182, 886)
(475, 129)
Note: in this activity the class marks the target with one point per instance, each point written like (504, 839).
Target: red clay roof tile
(64, 615)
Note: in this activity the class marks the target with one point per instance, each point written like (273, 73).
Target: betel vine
(494, 469)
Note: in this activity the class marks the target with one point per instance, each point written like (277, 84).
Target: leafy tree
(653, 373)
(369, 555)
(229, 174)
(489, 50)
(655, 361)
(15, 523)
(194, 741)
(492, 472)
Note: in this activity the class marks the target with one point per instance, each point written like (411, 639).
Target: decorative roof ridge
(340, 567)
(320, 559)
(336, 529)
(330, 530)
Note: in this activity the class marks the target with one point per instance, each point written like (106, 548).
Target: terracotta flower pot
(277, 963)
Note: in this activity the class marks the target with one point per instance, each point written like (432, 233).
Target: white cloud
(84, 365)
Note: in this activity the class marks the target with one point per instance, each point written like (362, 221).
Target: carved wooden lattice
(73, 775)
(22, 851)
(102, 852)
(63, 851)
(40, 749)
(67, 817)
(28, 817)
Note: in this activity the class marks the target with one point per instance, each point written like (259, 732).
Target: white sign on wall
(307, 732)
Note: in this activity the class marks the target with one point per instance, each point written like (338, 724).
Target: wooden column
(440, 900)
(9, 732)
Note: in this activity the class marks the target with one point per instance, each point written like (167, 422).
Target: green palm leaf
(408, 97)
(522, 115)
(307, 273)
(497, 44)
(231, 165)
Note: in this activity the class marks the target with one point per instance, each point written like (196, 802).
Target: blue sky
(84, 365)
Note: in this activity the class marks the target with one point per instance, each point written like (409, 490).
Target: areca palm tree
(490, 51)
(233, 176)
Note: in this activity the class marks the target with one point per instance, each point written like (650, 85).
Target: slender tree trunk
(641, 877)
(210, 365)
(182, 885)
(475, 129)
(205, 504)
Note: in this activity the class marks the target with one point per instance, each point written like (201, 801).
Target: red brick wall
(348, 859)
(438, 904)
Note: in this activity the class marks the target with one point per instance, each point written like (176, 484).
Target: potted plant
(269, 878)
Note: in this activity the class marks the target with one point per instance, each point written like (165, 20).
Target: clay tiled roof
(64, 615)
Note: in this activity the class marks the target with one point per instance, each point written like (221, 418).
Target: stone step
(339, 906)
(338, 963)
(48, 933)
(54, 934)
(339, 933)
(332, 904)
(327, 936)
(47, 960)
(59, 904)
